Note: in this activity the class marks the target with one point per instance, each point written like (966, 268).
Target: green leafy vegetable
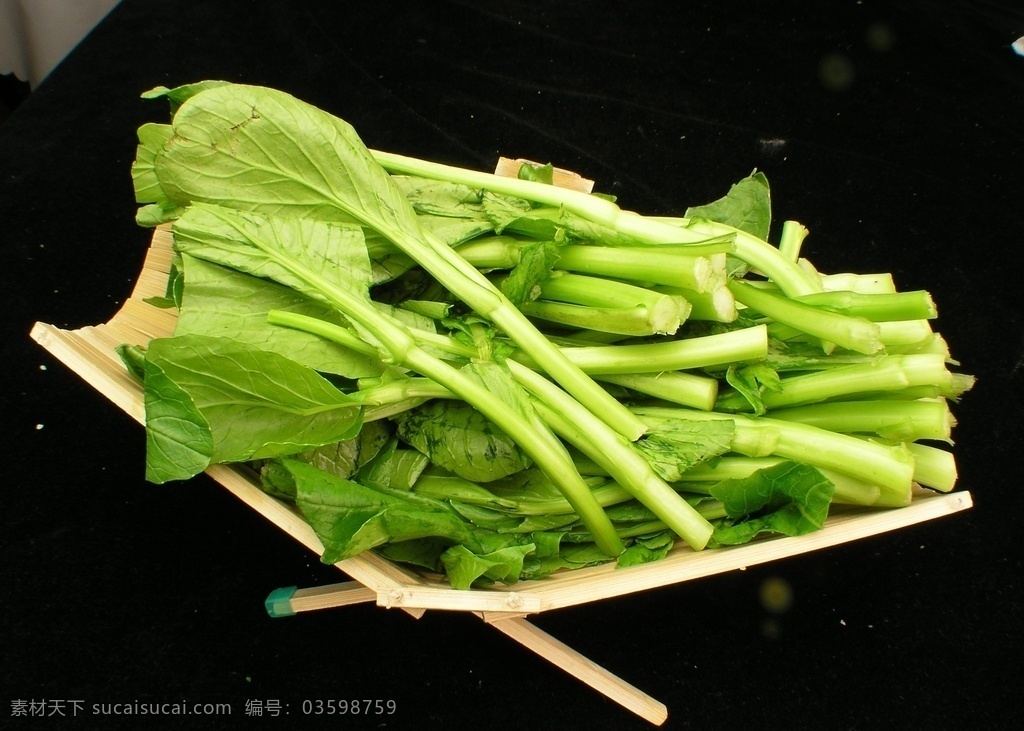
(496, 378)
(259, 149)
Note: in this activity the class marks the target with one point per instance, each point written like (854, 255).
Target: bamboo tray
(90, 352)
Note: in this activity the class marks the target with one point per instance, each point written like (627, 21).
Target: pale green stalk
(904, 421)
(716, 306)
(685, 389)
(624, 463)
(635, 321)
(852, 333)
(934, 343)
(746, 344)
(934, 467)
(904, 332)
(791, 239)
(879, 283)
(891, 467)
(700, 267)
(895, 334)
(667, 311)
(877, 307)
(375, 392)
(886, 373)
(672, 267)
(603, 305)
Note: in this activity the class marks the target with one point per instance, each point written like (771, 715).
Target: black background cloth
(891, 130)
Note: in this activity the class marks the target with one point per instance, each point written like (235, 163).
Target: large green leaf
(212, 400)
(179, 440)
(223, 302)
(260, 149)
(304, 254)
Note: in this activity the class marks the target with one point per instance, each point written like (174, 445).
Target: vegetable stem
(665, 312)
(934, 467)
(891, 467)
(637, 321)
(672, 267)
(855, 334)
(792, 238)
(878, 307)
(626, 465)
(473, 288)
(905, 421)
(745, 344)
(685, 389)
(886, 373)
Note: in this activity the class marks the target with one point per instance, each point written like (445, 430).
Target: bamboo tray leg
(288, 601)
(582, 668)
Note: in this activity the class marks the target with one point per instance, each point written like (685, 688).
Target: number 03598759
(349, 707)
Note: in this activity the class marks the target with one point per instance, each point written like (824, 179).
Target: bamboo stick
(466, 600)
(583, 668)
(291, 600)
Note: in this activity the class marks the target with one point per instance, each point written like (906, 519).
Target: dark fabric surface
(891, 130)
